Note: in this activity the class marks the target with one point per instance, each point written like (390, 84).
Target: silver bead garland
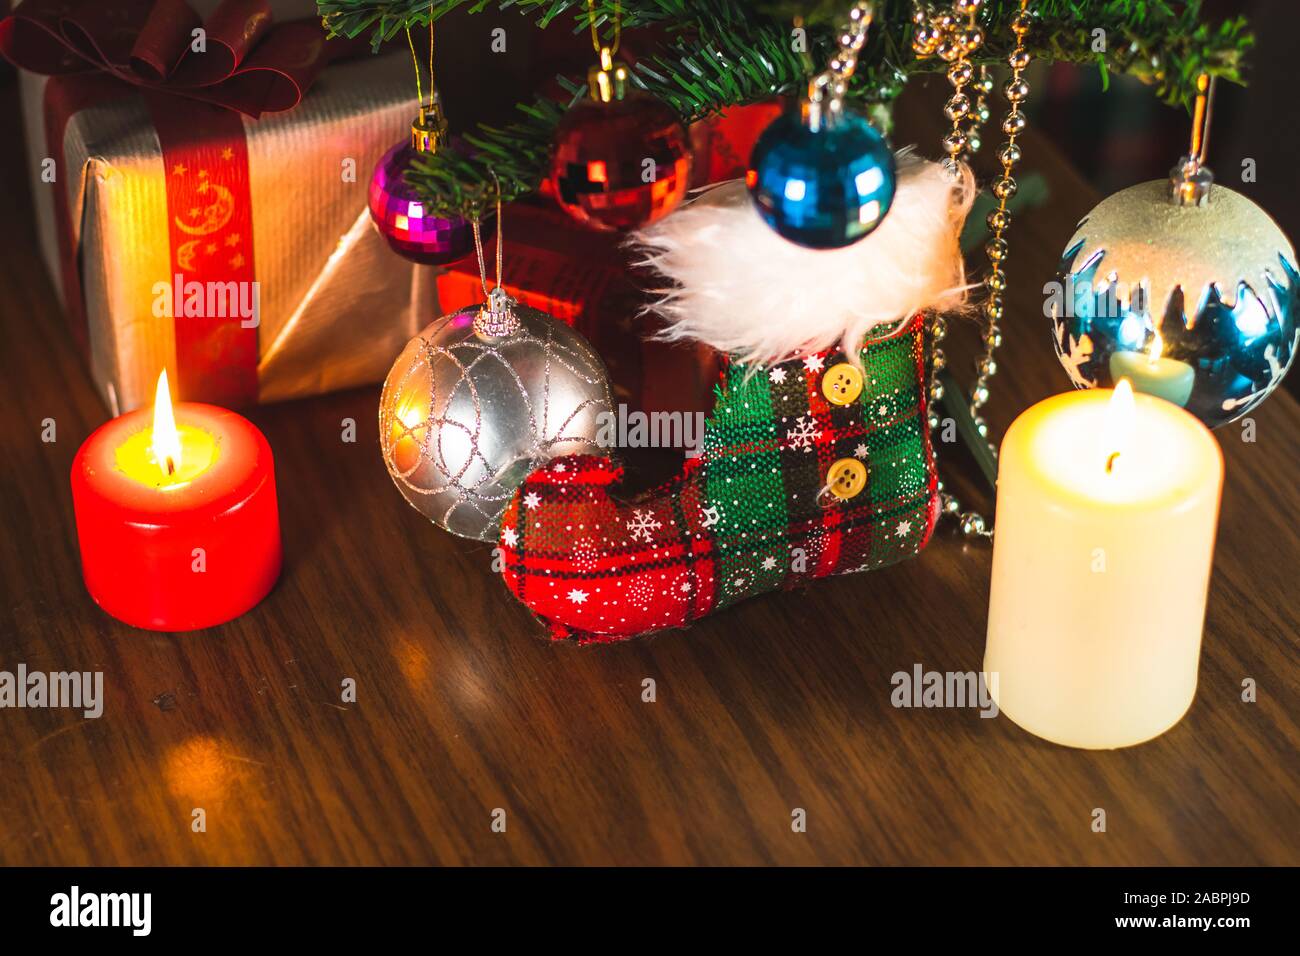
(929, 38)
(954, 35)
(835, 78)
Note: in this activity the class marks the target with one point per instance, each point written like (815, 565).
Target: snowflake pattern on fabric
(642, 525)
(586, 554)
(804, 434)
(749, 515)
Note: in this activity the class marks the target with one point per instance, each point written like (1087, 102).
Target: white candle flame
(1156, 350)
(1117, 432)
(166, 440)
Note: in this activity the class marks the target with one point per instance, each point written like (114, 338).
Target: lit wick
(166, 443)
(1117, 427)
(1156, 349)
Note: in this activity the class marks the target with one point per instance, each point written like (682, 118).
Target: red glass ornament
(621, 164)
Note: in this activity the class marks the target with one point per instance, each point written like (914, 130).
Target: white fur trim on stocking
(742, 289)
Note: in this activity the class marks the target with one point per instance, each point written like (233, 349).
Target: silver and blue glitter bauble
(478, 400)
(1193, 302)
(823, 185)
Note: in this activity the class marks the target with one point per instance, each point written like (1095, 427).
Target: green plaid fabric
(752, 514)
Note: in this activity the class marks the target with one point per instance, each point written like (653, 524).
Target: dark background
(1126, 135)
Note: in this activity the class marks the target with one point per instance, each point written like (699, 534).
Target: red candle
(176, 515)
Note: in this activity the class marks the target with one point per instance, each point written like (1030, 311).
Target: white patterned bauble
(478, 400)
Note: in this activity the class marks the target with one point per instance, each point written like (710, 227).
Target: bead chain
(1016, 90)
(954, 35)
(835, 78)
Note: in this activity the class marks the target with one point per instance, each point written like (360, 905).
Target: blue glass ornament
(822, 185)
(1195, 304)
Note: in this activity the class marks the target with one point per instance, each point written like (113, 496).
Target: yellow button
(842, 384)
(847, 477)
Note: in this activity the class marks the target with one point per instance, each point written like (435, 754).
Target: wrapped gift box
(721, 144)
(166, 219)
(588, 279)
(159, 191)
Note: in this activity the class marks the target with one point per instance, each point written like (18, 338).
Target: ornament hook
(607, 80)
(497, 318)
(1190, 181)
(429, 131)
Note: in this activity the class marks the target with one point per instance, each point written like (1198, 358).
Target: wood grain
(463, 707)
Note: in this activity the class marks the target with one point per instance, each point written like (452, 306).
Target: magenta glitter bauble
(399, 215)
(622, 164)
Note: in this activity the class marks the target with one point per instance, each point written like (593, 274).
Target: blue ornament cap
(825, 187)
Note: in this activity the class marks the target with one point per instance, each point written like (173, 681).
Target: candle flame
(166, 440)
(1117, 432)
(1156, 349)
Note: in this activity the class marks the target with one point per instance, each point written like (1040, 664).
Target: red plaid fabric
(754, 513)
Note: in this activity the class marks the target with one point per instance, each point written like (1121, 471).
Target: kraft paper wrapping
(335, 302)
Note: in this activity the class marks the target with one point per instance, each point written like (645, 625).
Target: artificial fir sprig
(509, 158)
(720, 53)
(695, 76)
(384, 19)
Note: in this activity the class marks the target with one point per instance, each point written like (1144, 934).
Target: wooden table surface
(463, 707)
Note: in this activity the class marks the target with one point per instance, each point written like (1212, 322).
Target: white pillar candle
(1107, 508)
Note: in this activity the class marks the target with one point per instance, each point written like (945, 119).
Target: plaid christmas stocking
(809, 468)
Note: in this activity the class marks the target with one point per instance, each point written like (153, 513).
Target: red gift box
(587, 280)
(721, 144)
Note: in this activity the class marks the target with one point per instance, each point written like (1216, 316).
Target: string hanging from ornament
(482, 397)
(397, 209)
(1016, 90)
(821, 176)
(621, 158)
(1185, 287)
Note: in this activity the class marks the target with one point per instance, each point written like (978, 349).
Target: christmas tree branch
(510, 159)
(695, 77)
(384, 19)
(720, 53)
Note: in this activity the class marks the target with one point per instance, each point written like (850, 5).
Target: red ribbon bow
(240, 60)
